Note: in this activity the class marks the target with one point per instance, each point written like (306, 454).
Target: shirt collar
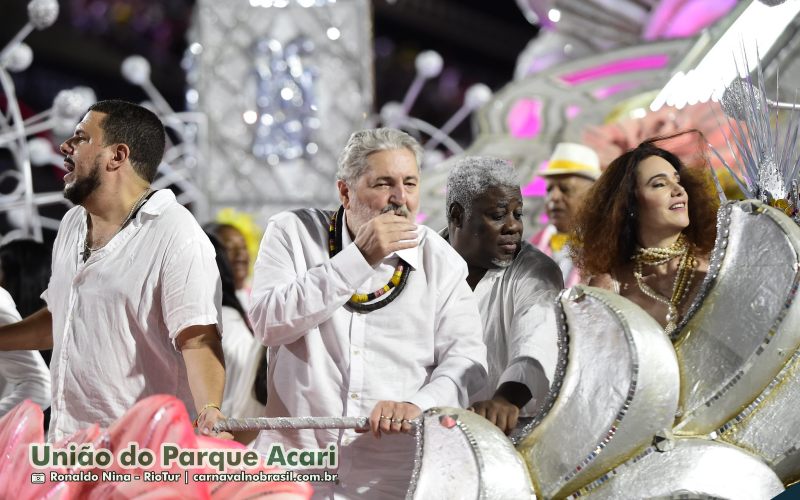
(409, 255)
(160, 200)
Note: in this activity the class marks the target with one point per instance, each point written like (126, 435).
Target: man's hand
(206, 421)
(392, 417)
(499, 412)
(385, 234)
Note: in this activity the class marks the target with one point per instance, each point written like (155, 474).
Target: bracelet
(203, 409)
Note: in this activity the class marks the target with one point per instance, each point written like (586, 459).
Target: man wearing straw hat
(570, 173)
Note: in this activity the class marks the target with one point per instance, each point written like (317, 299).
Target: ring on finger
(396, 420)
(383, 417)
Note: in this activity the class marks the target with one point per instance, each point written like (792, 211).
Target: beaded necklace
(683, 278)
(359, 301)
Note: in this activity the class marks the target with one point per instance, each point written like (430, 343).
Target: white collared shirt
(116, 316)
(425, 347)
(23, 374)
(519, 323)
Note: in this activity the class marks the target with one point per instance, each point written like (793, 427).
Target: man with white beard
(365, 313)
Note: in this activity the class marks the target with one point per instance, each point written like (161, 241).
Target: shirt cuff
(528, 372)
(423, 401)
(352, 266)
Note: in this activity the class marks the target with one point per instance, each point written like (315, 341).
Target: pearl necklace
(683, 277)
(87, 248)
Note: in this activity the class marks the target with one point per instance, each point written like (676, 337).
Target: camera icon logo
(37, 478)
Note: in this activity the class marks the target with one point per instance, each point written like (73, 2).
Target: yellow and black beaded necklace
(363, 302)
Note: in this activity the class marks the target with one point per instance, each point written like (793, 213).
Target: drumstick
(293, 423)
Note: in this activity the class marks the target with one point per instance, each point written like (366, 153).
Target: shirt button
(356, 352)
(353, 395)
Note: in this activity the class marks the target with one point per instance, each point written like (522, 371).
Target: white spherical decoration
(433, 158)
(41, 151)
(477, 95)
(64, 127)
(42, 13)
(16, 217)
(136, 69)
(429, 64)
(71, 104)
(392, 114)
(20, 58)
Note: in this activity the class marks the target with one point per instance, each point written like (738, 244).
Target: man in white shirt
(515, 284)
(134, 297)
(365, 313)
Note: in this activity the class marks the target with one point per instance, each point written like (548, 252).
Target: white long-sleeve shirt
(23, 374)
(425, 347)
(116, 316)
(519, 323)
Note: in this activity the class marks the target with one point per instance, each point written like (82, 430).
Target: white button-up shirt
(425, 347)
(519, 323)
(23, 374)
(116, 316)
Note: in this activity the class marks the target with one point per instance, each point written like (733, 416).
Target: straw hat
(573, 159)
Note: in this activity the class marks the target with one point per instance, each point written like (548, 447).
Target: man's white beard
(359, 214)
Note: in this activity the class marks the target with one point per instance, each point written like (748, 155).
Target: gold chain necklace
(683, 278)
(87, 248)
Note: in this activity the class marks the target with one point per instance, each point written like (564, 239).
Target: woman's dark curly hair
(605, 231)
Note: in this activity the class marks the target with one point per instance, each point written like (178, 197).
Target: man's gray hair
(353, 160)
(474, 175)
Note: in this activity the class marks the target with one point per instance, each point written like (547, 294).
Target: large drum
(462, 455)
(619, 389)
(689, 468)
(738, 346)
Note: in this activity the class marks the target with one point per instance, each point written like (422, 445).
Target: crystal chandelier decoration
(270, 75)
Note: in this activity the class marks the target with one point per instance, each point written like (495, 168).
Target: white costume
(23, 374)
(243, 353)
(116, 316)
(519, 323)
(424, 347)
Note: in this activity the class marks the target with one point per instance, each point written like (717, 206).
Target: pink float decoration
(683, 18)
(606, 92)
(149, 424)
(572, 111)
(612, 139)
(537, 187)
(524, 119)
(617, 67)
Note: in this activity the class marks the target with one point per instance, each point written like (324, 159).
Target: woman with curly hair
(646, 230)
